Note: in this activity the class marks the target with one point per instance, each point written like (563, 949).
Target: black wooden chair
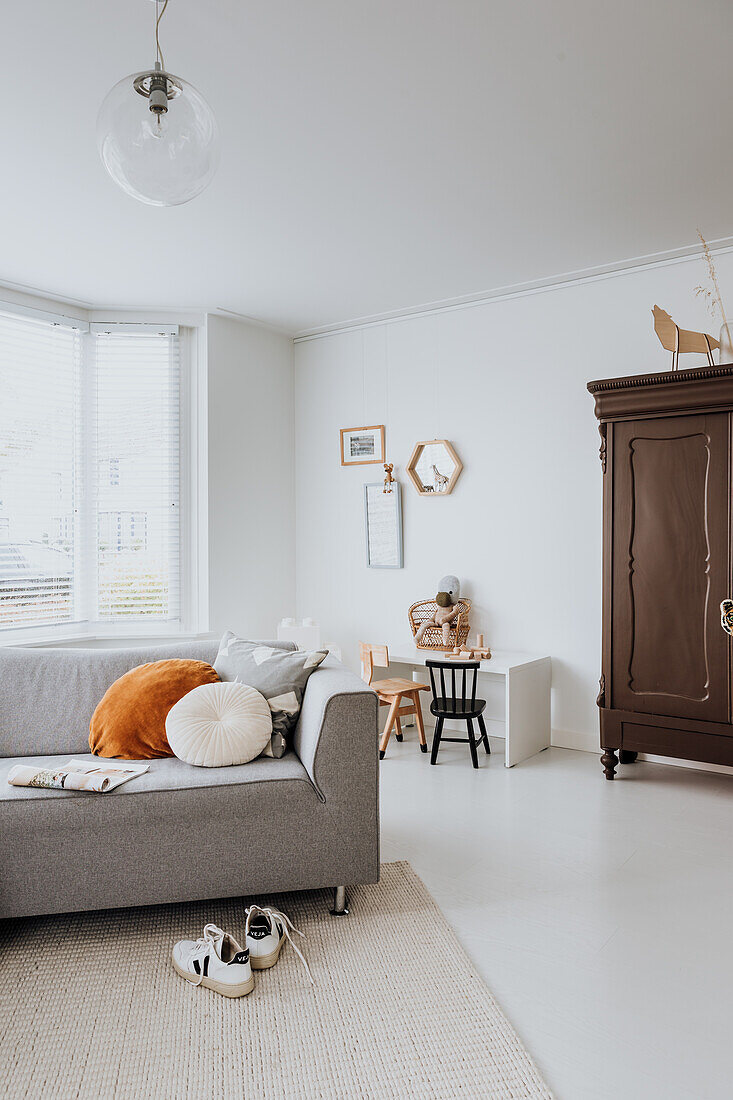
(464, 706)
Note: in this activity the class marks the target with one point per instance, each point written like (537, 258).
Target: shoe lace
(212, 933)
(275, 916)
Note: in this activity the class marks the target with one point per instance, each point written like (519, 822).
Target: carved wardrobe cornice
(686, 391)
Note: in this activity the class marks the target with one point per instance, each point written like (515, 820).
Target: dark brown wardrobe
(667, 558)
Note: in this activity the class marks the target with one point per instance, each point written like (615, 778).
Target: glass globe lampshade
(158, 138)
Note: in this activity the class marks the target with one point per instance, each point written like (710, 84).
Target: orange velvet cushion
(129, 722)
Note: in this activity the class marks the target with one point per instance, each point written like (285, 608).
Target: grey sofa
(180, 833)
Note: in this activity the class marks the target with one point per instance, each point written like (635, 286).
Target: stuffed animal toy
(446, 612)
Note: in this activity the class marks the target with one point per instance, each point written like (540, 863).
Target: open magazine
(77, 775)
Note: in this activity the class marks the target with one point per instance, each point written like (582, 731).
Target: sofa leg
(340, 908)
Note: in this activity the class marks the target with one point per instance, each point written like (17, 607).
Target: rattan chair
(433, 637)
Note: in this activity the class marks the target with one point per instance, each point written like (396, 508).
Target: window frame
(193, 443)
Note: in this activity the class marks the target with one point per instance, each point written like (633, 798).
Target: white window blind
(89, 476)
(39, 458)
(138, 477)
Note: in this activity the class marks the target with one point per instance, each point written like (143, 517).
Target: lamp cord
(161, 13)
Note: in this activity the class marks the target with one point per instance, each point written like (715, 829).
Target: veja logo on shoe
(241, 956)
(261, 933)
(260, 927)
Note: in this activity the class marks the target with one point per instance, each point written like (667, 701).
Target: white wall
(505, 381)
(251, 493)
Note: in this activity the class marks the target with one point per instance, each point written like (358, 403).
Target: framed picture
(383, 526)
(360, 446)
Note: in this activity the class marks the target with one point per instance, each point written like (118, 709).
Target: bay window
(91, 475)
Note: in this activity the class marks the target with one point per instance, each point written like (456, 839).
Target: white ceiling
(375, 155)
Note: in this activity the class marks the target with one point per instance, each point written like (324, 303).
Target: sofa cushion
(164, 774)
(218, 725)
(129, 721)
(172, 834)
(48, 696)
(281, 677)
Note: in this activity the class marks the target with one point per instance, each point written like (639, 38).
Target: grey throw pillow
(277, 674)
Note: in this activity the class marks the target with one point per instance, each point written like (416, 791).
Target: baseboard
(571, 739)
(561, 739)
(583, 742)
(691, 765)
(494, 726)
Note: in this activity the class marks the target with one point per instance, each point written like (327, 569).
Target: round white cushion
(219, 724)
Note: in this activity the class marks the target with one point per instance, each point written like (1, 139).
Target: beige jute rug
(92, 1008)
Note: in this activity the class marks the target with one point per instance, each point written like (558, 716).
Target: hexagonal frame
(411, 467)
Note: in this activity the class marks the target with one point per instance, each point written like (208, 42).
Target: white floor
(599, 914)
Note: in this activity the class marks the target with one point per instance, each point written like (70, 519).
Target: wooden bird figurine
(676, 339)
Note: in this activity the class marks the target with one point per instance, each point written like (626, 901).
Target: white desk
(527, 681)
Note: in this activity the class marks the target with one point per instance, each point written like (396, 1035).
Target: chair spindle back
(451, 702)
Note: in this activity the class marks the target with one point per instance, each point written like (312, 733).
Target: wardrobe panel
(670, 546)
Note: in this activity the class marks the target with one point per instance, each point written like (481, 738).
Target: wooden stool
(401, 696)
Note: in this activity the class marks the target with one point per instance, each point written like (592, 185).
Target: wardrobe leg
(610, 762)
(626, 756)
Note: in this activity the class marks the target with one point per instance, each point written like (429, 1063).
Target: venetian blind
(40, 368)
(136, 450)
(89, 475)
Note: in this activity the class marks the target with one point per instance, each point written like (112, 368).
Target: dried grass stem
(717, 298)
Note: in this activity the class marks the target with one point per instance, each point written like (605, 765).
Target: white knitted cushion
(219, 724)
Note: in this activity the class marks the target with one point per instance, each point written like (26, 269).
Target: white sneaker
(265, 932)
(216, 961)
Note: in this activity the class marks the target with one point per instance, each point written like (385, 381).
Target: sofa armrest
(336, 735)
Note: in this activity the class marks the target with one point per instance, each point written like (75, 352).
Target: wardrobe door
(671, 524)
